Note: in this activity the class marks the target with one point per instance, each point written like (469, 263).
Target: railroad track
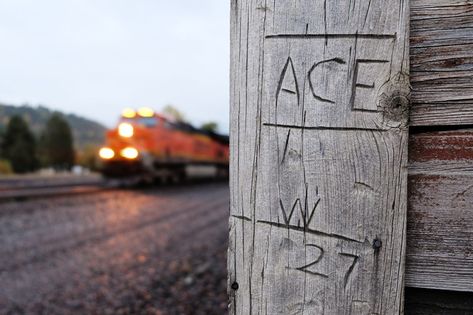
(26, 192)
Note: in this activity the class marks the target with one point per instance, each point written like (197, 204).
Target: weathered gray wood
(319, 104)
(442, 62)
(440, 226)
(441, 152)
(440, 216)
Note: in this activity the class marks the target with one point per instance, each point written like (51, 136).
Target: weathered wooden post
(319, 108)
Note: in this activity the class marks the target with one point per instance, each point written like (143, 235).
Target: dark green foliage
(88, 157)
(19, 146)
(210, 127)
(85, 132)
(2, 135)
(57, 144)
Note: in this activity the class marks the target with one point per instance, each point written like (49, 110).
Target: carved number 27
(349, 271)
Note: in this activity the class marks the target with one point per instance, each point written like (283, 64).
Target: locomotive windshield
(149, 122)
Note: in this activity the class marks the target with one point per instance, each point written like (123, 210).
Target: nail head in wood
(377, 244)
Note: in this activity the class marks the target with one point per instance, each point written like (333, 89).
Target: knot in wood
(394, 101)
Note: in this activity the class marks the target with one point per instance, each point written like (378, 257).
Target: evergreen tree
(210, 126)
(57, 145)
(19, 146)
(2, 135)
(175, 113)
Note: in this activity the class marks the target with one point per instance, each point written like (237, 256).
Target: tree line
(172, 111)
(22, 152)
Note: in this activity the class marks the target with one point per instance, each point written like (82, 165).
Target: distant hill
(86, 132)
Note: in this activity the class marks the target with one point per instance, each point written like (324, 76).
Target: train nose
(128, 153)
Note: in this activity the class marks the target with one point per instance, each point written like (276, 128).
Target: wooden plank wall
(442, 62)
(440, 216)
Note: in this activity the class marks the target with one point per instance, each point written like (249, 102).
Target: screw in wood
(235, 286)
(377, 244)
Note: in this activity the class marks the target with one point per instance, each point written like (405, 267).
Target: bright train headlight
(126, 130)
(146, 112)
(106, 153)
(128, 113)
(129, 153)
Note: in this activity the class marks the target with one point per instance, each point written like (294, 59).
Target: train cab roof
(146, 115)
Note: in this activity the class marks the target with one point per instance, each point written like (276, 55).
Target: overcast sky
(95, 57)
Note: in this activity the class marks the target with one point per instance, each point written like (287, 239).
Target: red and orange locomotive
(147, 143)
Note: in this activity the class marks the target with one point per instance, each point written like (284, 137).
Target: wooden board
(442, 62)
(319, 98)
(440, 216)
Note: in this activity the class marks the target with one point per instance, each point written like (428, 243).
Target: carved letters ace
(338, 80)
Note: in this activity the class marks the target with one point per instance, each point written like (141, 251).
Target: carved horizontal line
(309, 231)
(365, 86)
(323, 127)
(241, 217)
(333, 35)
(288, 91)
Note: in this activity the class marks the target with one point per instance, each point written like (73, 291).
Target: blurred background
(113, 156)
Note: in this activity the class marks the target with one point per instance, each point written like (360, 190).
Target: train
(151, 145)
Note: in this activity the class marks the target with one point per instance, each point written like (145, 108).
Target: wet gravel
(151, 251)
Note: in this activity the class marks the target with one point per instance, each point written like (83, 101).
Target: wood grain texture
(319, 103)
(440, 216)
(441, 152)
(442, 62)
